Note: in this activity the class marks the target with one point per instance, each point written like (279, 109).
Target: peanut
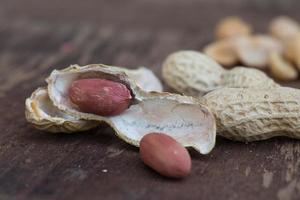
(280, 69)
(184, 118)
(287, 31)
(100, 96)
(253, 114)
(223, 52)
(242, 77)
(232, 27)
(284, 28)
(238, 45)
(254, 51)
(195, 74)
(292, 50)
(165, 155)
(191, 72)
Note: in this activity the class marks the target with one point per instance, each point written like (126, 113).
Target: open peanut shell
(40, 111)
(181, 117)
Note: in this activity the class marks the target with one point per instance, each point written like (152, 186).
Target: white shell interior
(145, 79)
(44, 107)
(188, 124)
(41, 112)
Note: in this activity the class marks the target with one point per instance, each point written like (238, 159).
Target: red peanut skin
(100, 96)
(165, 155)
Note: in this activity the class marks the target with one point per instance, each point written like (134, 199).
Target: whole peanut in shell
(100, 96)
(165, 155)
(195, 74)
(252, 114)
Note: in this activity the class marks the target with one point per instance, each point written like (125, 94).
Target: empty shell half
(41, 112)
(181, 117)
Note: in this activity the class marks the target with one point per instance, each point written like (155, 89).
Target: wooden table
(39, 36)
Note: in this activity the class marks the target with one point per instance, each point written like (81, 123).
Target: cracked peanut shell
(181, 117)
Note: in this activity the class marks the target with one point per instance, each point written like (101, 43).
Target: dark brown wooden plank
(36, 38)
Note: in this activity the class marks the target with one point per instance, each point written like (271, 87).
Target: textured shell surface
(183, 75)
(181, 117)
(191, 72)
(145, 79)
(40, 112)
(242, 77)
(253, 114)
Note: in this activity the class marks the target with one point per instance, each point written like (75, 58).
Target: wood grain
(37, 37)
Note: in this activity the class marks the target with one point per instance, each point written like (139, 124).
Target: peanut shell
(256, 114)
(195, 74)
(41, 112)
(184, 118)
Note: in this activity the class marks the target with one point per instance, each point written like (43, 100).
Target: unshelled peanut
(100, 96)
(191, 72)
(165, 155)
(195, 74)
(256, 114)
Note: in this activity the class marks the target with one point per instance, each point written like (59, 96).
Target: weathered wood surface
(37, 37)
